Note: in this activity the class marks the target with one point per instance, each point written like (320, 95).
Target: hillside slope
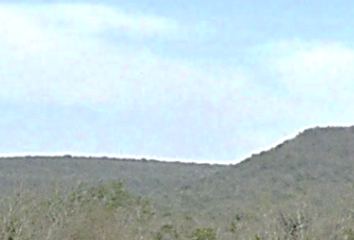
(145, 177)
(317, 161)
(301, 189)
(316, 166)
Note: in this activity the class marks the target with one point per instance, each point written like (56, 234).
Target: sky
(208, 81)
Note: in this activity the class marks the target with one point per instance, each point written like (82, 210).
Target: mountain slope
(301, 189)
(316, 166)
(146, 177)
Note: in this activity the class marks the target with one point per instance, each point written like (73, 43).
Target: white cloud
(63, 62)
(312, 80)
(52, 54)
(89, 19)
(319, 71)
(42, 63)
(83, 70)
(86, 18)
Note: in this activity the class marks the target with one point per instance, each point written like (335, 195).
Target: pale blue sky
(201, 80)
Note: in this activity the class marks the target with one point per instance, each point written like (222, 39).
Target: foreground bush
(104, 211)
(101, 211)
(107, 211)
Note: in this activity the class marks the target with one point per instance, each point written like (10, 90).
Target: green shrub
(203, 234)
(166, 232)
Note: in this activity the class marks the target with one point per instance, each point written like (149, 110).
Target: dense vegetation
(101, 211)
(302, 189)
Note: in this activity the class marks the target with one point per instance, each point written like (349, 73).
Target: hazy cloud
(319, 71)
(59, 54)
(91, 19)
(42, 63)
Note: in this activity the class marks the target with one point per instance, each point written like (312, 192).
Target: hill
(317, 160)
(142, 177)
(307, 180)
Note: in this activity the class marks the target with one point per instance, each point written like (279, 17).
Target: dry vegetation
(108, 211)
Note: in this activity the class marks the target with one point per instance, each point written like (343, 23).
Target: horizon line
(168, 159)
